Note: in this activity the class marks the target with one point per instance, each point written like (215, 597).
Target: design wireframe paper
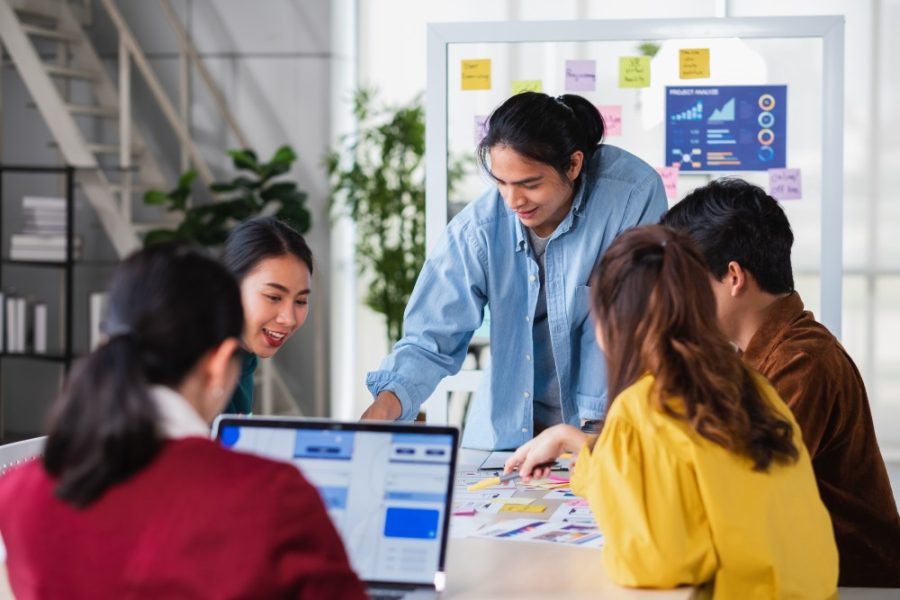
(530, 530)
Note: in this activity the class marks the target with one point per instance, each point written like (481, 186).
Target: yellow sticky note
(476, 74)
(693, 63)
(526, 508)
(634, 71)
(527, 85)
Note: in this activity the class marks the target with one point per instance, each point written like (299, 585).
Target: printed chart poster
(726, 128)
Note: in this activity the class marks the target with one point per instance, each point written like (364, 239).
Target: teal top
(242, 400)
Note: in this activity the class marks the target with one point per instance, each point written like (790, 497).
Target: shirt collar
(777, 316)
(177, 418)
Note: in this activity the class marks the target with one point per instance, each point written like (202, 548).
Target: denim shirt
(483, 258)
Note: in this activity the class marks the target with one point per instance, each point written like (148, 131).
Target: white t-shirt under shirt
(547, 410)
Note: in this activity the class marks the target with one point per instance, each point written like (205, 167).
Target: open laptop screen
(386, 486)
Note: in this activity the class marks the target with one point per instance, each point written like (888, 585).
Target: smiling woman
(273, 265)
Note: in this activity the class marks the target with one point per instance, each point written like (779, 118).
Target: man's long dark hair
(168, 306)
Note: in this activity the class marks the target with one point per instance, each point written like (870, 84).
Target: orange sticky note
(526, 508)
(693, 63)
(476, 74)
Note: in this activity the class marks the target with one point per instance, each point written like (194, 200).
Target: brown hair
(653, 302)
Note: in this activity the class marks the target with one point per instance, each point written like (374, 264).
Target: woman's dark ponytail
(544, 129)
(168, 306)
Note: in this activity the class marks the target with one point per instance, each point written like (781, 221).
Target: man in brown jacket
(746, 239)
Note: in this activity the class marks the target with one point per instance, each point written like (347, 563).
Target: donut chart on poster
(726, 128)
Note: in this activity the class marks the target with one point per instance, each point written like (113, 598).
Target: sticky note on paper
(612, 119)
(785, 184)
(476, 74)
(693, 63)
(525, 508)
(481, 127)
(634, 71)
(527, 85)
(670, 180)
(581, 75)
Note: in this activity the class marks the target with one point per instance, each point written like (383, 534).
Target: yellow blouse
(678, 509)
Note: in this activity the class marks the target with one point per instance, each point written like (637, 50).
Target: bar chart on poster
(726, 128)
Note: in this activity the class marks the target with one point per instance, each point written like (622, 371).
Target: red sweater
(198, 522)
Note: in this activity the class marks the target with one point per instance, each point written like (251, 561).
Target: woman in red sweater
(132, 498)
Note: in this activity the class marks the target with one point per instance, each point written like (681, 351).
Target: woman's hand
(534, 459)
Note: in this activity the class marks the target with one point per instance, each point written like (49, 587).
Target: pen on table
(492, 481)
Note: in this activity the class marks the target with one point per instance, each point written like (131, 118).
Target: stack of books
(44, 234)
(23, 325)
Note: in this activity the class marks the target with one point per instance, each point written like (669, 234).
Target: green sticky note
(527, 85)
(634, 71)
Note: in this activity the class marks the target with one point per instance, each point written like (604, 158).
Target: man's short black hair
(732, 220)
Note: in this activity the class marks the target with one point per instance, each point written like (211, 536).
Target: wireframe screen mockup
(387, 491)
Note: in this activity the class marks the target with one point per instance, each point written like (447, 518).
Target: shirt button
(527, 318)
(524, 430)
(526, 394)
(527, 357)
(531, 278)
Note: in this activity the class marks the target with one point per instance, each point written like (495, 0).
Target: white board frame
(830, 29)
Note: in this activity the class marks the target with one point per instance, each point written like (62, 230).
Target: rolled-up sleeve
(445, 308)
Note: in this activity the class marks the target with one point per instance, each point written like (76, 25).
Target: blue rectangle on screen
(323, 444)
(411, 523)
(422, 438)
(334, 497)
(414, 496)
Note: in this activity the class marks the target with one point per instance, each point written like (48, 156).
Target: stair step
(86, 109)
(135, 187)
(51, 34)
(60, 71)
(110, 149)
(141, 228)
(93, 110)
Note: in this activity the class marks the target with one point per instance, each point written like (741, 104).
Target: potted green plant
(377, 177)
(255, 190)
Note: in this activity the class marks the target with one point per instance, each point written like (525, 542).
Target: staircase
(112, 175)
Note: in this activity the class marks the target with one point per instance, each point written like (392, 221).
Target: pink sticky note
(481, 128)
(558, 479)
(785, 184)
(612, 118)
(580, 503)
(581, 75)
(670, 180)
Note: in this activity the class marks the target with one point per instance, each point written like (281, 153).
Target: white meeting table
(486, 568)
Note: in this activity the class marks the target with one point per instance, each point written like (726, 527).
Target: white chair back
(17, 453)
(436, 407)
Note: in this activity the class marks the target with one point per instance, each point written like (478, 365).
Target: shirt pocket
(581, 306)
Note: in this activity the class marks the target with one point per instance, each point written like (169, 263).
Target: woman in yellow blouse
(699, 474)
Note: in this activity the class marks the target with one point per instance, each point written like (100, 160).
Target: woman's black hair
(168, 306)
(261, 238)
(545, 129)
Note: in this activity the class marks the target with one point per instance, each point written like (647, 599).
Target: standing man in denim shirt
(526, 249)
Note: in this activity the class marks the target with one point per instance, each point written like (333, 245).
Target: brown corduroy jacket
(815, 376)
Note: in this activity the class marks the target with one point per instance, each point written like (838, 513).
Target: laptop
(387, 488)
